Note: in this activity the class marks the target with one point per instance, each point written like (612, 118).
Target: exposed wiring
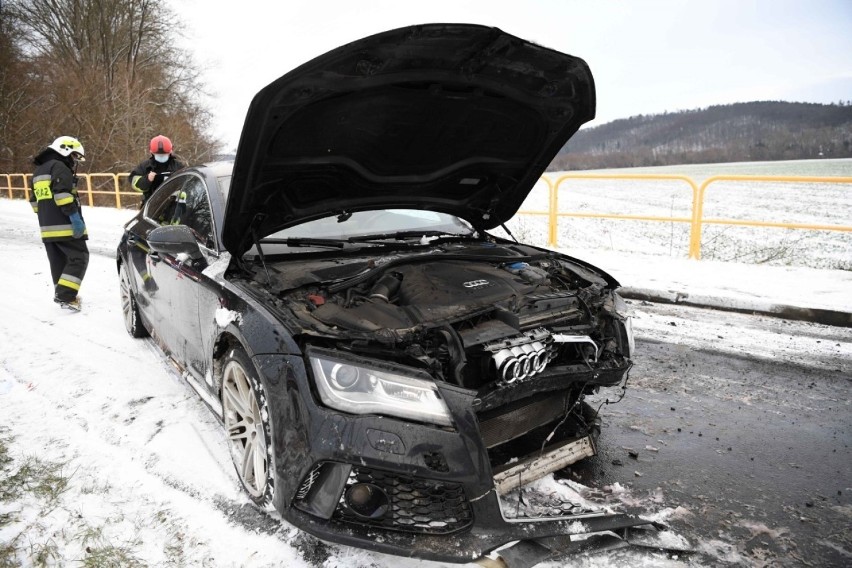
(579, 398)
(564, 418)
(621, 396)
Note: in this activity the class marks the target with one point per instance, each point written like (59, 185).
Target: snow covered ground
(117, 462)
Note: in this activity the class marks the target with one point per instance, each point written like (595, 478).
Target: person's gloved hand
(77, 225)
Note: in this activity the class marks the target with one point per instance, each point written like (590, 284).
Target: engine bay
(476, 314)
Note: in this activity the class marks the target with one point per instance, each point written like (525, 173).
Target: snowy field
(809, 203)
(108, 458)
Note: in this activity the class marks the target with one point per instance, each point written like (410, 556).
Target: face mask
(162, 158)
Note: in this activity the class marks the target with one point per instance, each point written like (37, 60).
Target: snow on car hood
(456, 118)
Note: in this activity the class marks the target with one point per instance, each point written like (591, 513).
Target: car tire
(246, 417)
(129, 308)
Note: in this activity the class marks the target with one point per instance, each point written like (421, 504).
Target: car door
(157, 271)
(185, 291)
(155, 305)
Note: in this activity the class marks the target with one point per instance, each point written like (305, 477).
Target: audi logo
(476, 283)
(522, 356)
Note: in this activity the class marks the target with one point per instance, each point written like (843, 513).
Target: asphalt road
(739, 426)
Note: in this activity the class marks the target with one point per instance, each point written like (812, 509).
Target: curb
(798, 313)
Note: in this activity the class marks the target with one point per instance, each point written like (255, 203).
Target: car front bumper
(411, 489)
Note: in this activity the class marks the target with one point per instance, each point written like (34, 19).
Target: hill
(754, 131)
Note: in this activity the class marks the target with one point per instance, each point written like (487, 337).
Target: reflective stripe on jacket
(54, 199)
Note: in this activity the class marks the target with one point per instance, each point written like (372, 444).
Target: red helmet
(161, 145)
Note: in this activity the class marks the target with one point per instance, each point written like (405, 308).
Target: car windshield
(383, 223)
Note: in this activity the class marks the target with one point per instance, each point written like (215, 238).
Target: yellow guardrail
(699, 220)
(696, 220)
(92, 188)
(88, 187)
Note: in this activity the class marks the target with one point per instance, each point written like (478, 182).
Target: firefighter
(63, 231)
(151, 173)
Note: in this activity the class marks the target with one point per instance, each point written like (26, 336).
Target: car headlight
(363, 390)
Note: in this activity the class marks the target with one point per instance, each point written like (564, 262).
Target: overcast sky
(646, 56)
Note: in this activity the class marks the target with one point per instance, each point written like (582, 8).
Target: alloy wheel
(244, 428)
(129, 307)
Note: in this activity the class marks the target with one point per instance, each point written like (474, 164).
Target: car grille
(416, 505)
(531, 504)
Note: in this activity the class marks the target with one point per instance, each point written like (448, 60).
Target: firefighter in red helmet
(150, 174)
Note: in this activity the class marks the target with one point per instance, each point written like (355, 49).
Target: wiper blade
(402, 235)
(341, 243)
(307, 242)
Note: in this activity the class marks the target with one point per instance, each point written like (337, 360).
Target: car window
(183, 201)
(196, 212)
(161, 205)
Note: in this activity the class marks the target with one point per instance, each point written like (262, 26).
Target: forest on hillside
(754, 131)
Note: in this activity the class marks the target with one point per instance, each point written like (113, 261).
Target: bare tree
(110, 74)
(18, 96)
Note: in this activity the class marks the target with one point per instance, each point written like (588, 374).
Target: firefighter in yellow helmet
(60, 217)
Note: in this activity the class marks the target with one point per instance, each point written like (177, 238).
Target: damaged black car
(390, 373)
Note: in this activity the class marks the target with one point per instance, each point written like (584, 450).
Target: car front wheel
(247, 428)
(129, 307)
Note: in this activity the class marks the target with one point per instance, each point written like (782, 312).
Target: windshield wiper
(402, 235)
(307, 242)
(341, 243)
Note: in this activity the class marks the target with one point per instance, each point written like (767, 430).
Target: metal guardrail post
(26, 186)
(694, 250)
(552, 219)
(88, 188)
(117, 192)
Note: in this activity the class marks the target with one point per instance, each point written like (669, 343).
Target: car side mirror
(174, 240)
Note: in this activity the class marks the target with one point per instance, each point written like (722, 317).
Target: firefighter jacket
(139, 175)
(54, 196)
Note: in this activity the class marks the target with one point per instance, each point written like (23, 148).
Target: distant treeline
(755, 131)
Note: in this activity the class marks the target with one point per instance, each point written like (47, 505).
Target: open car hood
(456, 118)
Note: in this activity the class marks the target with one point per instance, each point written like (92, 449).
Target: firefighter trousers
(68, 263)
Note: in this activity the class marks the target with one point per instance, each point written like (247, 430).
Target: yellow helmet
(67, 145)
